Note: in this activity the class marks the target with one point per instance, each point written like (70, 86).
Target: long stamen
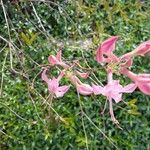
(112, 112)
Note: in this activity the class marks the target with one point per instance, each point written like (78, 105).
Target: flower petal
(129, 88)
(116, 96)
(62, 90)
(83, 75)
(84, 89)
(53, 85)
(44, 76)
(53, 60)
(97, 89)
(99, 55)
(142, 49)
(107, 47)
(145, 88)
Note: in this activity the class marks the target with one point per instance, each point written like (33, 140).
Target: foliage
(37, 29)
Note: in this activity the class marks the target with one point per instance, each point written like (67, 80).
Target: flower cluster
(113, 90)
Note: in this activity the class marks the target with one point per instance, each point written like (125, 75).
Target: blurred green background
(31, 30)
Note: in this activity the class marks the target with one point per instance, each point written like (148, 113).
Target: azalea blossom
(141, 50)
(104, 52)
(82, 88)
(141, 80)
(121, 64)
(53, 85)
(113, 91)
(83, 75)
(57, 60)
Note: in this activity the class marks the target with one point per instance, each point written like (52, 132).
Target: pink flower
(113, 90)
(123, 62)
(53, 85)
(141, 50)
(83, 75)
(104, 52)
(82, 88)
(56, 60)
(141, 80)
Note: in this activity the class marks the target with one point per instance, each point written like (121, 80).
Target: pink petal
(145, 88)
(53, 85)
(117, 96)
(143, 77)
(127, 56)
(84, 89)
(128, 63)
(75, 80)
(44, 76)
(83, 75)
(129, 74)
(107, 47)
(97, 89)
(129, 88)
(99, 55)
(142, 49)
(53, 60)
(112, 58)
(62, 90)
(141, 80)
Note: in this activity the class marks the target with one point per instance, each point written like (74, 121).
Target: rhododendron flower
(53, 85)
(83, 75)
(122, 63)
(113, 90)
(104, 52)
(82, 88)
(141, 80)
(141, 50)
(56, 60)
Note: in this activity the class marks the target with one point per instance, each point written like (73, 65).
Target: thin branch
(86, 138)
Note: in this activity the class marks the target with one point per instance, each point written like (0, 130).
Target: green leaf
(133, 101)
(134, 112)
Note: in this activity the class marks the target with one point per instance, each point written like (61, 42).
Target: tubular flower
(104, 53)
(83, 75)
(56, 60)
(141, 80)
(113, 91)
(141, 50)
(82, 88)
(106, 50)
(53, 85)
(121, 64)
